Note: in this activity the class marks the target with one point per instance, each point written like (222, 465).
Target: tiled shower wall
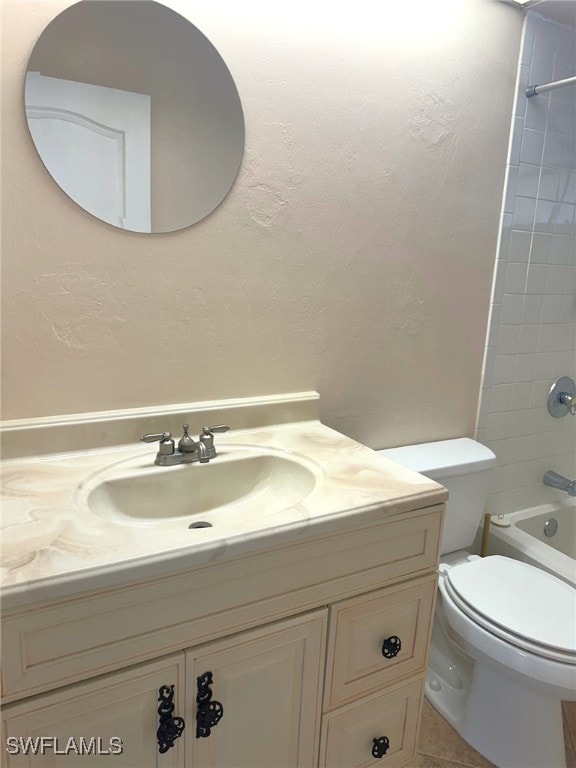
(532, 329)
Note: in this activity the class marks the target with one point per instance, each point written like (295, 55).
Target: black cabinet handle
(391, 646)
(208, 712)
(380, 746)
(169, 727)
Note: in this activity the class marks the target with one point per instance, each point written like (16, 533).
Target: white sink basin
(240, 483)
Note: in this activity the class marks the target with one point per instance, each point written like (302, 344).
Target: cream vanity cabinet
(268, 682)
(311, 653)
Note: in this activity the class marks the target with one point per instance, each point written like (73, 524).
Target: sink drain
(200, 524)
(551, 527)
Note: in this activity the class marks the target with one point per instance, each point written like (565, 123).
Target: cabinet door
(111, 721)
(269, 685)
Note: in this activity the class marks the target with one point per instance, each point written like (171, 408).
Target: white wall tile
(532, 147)
(539, 393)
(556, 277)
(544, 366)
(532, 335)
(497, 426)
(564, 361)
(503, 369)
(512, 308)
(561, 249)
(528, 338)
(528, 180)
(515, 281)
(532, 311)
(508, 336)
(510, 184)
(520, 100)
(558, 116)
(545, 216)
(564, 223)
(569, 154)
(521, 393)
(524, 212)
(566, 338)
(567, 186)
(553, 153)
(568, 309)
(500, 397)
(551, 309)
(517, 129)
(547, 338)
(542, 68)
(520, 244)
(540, 247)
(549, 183)
(536, 278)
(524, 367)
(536, 110)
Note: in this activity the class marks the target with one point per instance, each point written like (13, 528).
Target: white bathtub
(525, 539)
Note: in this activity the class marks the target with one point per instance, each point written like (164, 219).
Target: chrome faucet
(188, 450)
(562, 397)
(554, 480)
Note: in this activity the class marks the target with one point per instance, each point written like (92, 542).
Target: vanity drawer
(348, 733)
(378, 638)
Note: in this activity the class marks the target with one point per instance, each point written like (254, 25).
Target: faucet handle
(567, 399)
(166, 442)
(163, 437)
(217, 428)
(207, 436)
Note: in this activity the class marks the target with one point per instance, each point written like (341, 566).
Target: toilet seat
(523, 605)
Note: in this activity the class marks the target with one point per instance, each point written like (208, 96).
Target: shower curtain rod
(534, 90)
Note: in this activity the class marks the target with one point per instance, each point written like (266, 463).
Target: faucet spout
(203, 455)
(554, 480)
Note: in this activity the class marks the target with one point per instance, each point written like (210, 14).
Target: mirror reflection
(134, 114)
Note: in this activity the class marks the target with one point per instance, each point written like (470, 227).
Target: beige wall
(353, 256)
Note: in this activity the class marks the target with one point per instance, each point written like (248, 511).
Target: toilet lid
(517, 601)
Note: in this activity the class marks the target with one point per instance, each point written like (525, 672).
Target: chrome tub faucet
(554, 480)
(188, 450)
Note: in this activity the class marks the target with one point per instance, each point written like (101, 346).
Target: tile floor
(441, 747)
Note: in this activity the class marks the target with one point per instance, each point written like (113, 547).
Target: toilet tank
(463, 467)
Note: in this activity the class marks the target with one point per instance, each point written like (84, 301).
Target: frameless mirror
(134, 114)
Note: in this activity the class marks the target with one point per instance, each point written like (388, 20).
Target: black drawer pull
(391, 646)
(380, 747)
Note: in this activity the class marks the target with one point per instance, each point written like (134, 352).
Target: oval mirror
(134, 114)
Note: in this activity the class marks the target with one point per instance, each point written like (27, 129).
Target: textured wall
(532, 339)
(353, 256)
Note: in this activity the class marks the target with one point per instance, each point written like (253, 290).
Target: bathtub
(526, 540)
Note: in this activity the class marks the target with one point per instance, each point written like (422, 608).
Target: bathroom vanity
(297, 638)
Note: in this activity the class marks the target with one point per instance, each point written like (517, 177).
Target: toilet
(503, 653)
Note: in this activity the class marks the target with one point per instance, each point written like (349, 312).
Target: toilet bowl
(523, 654)
(503, 652)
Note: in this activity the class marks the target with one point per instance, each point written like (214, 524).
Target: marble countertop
(54, 544)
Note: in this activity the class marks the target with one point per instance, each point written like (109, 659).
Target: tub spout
(554, 480)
